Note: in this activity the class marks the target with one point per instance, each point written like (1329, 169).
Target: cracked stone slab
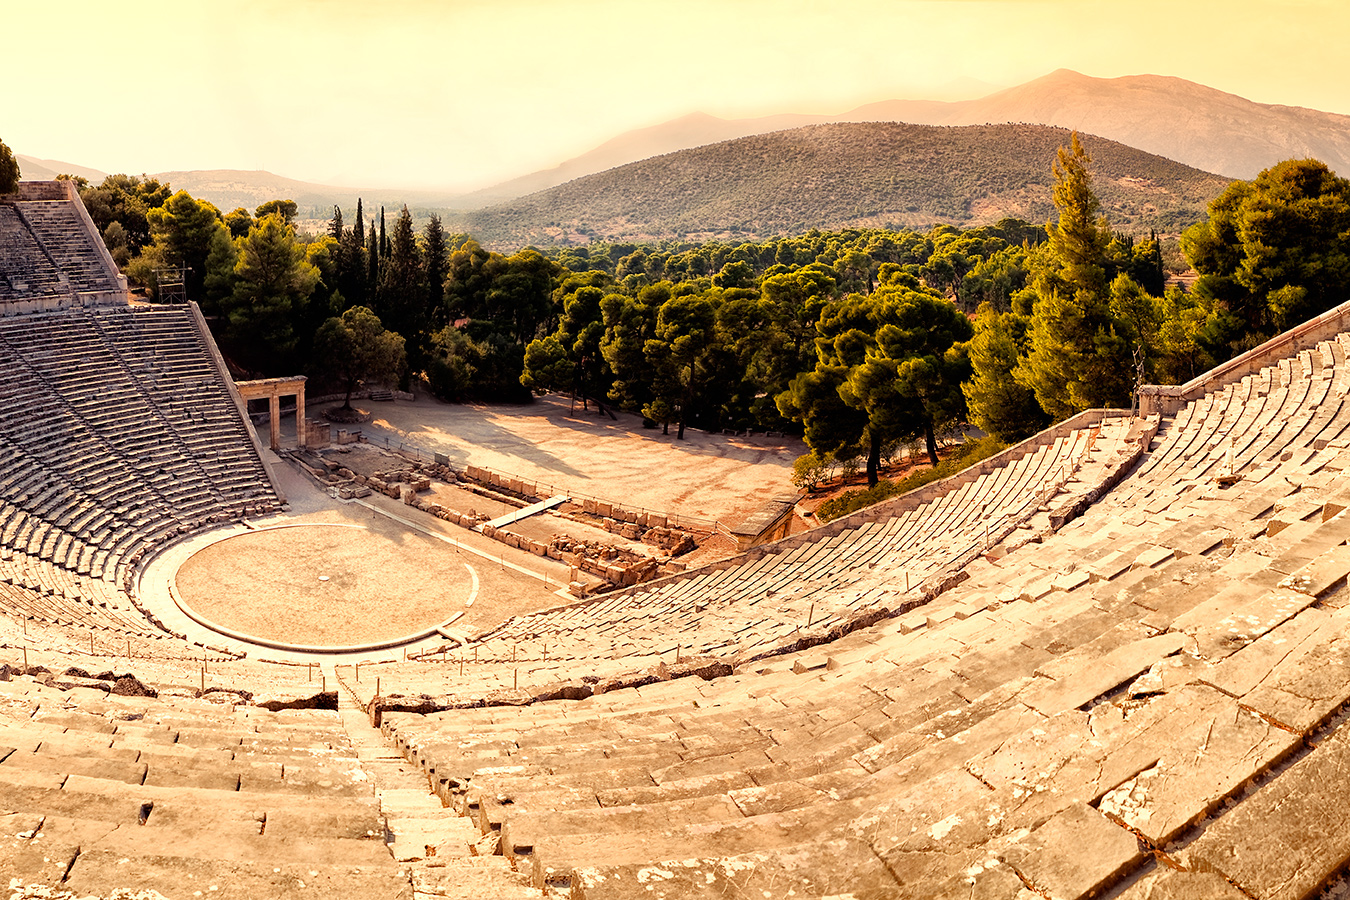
(1285, 840)
(1241, 672)
(1170, 884)
(1096, 676)
(939, 837)
(840, 867)
(1207, 748)
(1309, 684)
(1075, 854)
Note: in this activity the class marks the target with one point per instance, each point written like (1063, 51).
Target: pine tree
(9, 171)
(1079, 358)
(335, 226)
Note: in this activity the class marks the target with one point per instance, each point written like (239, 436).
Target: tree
(184, 231)
(577, 339)
(126, 200)
(434, 251)
(1276, 250)
(1078, 240)
(284, 208)
(355, 347)
(1078, 359)
(273, 279)
(238, 221)
(401, 295)
(997, 402)
(895, 365)
(9, 171)
(678, 356)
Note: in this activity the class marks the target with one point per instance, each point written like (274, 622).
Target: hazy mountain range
(1187, 122)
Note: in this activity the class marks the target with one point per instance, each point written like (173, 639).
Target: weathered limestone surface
(1206, 748)
(1094, 677)
(1310, 681)
(1288, 837)
(1075, 854)
(1169, 884)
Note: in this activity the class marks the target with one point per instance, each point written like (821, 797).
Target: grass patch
(967, 455)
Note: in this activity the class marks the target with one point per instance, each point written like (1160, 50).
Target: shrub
(967, 455)
(808, 472)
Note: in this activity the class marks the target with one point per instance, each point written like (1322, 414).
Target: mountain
(1181, 120)
(232, 188)
(846, 175)
(33, 169)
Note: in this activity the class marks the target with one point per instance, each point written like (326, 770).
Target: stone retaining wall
(1162, 399)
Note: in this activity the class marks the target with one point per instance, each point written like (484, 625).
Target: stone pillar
(274, 420)
(300, 429)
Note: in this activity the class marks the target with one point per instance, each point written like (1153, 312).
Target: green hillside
(842, 175)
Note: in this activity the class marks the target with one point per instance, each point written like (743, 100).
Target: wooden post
(358, 670)
(377, 685)
(203, 678)
(810, 615)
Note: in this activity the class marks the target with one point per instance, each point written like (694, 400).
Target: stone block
(1289, 837)
(1322, 574)
(1078, 853)
(588, 506)
(603, 509)
(1097, 674)
(1170, 884)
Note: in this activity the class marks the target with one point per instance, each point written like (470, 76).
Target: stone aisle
(440, 849)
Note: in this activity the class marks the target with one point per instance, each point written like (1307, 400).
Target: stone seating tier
(1142, 700)
(124, 436)
(184, 797)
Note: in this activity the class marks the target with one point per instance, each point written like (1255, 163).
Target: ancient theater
(1111, 661)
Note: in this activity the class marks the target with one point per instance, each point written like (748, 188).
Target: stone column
(274, 420)
(300, 426)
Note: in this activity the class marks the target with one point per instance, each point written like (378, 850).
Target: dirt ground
(384, 580)
(708, 476)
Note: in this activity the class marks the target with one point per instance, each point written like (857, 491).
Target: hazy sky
(465, 94)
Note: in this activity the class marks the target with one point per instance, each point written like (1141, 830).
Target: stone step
(96, 871)
(1288, 837)
(833, 868)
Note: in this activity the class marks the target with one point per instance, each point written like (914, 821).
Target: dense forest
(862, 340)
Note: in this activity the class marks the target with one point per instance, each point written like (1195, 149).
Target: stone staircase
(444, 853)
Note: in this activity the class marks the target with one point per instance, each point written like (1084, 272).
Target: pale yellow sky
(465, 94)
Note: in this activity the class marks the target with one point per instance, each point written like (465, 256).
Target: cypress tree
(384, 240)
(373, 257)
(436, 266)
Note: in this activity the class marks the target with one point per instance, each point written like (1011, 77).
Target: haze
(460, 95)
